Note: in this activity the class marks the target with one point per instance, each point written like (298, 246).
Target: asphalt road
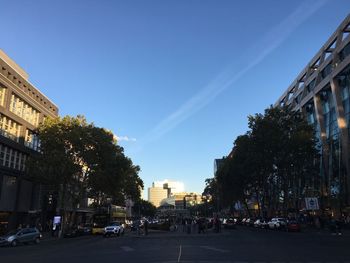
(238, 246)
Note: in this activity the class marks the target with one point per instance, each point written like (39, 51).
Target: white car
(277, 223)
(115, 228)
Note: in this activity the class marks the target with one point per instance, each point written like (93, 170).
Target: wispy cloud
(125, 138)
(263, 47)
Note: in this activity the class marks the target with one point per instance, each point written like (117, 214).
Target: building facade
(173, 186)
(22, 108)
(321, 92)
(156, 195)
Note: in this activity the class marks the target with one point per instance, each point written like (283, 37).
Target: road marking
(215, 249)
(127, 249)
(179, 257)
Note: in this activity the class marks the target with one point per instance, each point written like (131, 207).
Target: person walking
(145, 224)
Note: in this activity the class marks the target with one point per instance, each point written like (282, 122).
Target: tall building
(218, 164)
(172, 186)
(156, 195)
(22, 108)
(321, 92)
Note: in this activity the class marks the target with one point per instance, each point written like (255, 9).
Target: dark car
(230, 223)
(24, 235)
(85, 229)
(72, 232)
(293, 226)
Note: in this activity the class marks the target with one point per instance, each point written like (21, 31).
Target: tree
(272, 164)
(80, 160)
(144, 208)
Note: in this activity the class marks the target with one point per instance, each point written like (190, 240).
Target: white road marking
(127, 249)
(215, 249)
(179, 257)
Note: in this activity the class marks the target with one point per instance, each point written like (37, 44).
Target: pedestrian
(138, 226)
(145, 224)
(183, 222)
(188, 225)
(338, 226)
(333, 226)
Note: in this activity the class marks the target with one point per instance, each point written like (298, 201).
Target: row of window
(12, 158)
(24, 110)
(12, 130)
(9, 128)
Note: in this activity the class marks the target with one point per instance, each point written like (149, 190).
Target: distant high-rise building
(156, 195)
(172, 186)
(217, 164)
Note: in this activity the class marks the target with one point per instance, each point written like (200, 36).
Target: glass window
(344, 52)
(2, 154)
(311, 86)
(32, 140)
(326, 71)
(7, 157)
(24, 110)
(23, 161)
(9, 128)
(2, 95)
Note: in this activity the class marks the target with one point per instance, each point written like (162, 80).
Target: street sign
(311, 203)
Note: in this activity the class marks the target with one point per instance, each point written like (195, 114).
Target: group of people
(193, 225)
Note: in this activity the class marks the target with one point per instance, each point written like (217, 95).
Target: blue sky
(178, 78)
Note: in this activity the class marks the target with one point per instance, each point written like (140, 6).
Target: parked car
(71, 232)
(251, 222)
(293, 226)
(246, 222)
(85, 229)
(260, 223)
(277, 223)
(24, 235)
(115, 228)
(230, 223)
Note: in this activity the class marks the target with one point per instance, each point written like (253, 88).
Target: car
(23, 235)
(115, 228)
(230, 223)
(277, 223)
(85, 229)
(260, 223)
(293, 226)
(71, 232)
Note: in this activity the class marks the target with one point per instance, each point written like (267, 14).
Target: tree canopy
(81, 160)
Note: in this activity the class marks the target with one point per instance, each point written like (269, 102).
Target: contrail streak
(226, 78)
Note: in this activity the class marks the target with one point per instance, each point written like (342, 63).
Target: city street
(240, 245)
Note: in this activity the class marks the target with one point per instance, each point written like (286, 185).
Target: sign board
(57, 220)
(311, 203)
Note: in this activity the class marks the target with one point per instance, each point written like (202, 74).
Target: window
(2, 95)
(2, 154)
(32, 140)
(24, 110)
(9, 128)
(326, 71)
(12, 158)
(344, 52)
(311, 86)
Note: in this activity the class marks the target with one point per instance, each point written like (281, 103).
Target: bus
(105, 216)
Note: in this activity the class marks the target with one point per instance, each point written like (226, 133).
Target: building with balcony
(22, 108)
(321, 92)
